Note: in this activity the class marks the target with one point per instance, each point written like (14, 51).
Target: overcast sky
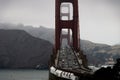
(99, 19)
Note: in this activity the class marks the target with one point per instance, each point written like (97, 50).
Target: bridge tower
(71, 22)
(67, 15)
(68, 59)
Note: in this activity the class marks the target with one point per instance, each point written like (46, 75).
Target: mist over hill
(96, 53)
(40, 32)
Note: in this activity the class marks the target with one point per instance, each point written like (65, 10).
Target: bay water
(24, 74)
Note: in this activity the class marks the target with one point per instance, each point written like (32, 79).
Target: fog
(99, 19)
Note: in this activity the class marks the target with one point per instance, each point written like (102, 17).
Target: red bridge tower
(66, 17)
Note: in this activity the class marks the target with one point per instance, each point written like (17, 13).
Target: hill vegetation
(36, 38)
(18, 49)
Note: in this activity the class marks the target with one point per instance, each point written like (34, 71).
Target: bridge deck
(67, 59)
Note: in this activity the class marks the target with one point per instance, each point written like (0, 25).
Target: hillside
(41, 32)
(18, 49)
(96, 53)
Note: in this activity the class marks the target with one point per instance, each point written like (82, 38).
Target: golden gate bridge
(68, 62)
